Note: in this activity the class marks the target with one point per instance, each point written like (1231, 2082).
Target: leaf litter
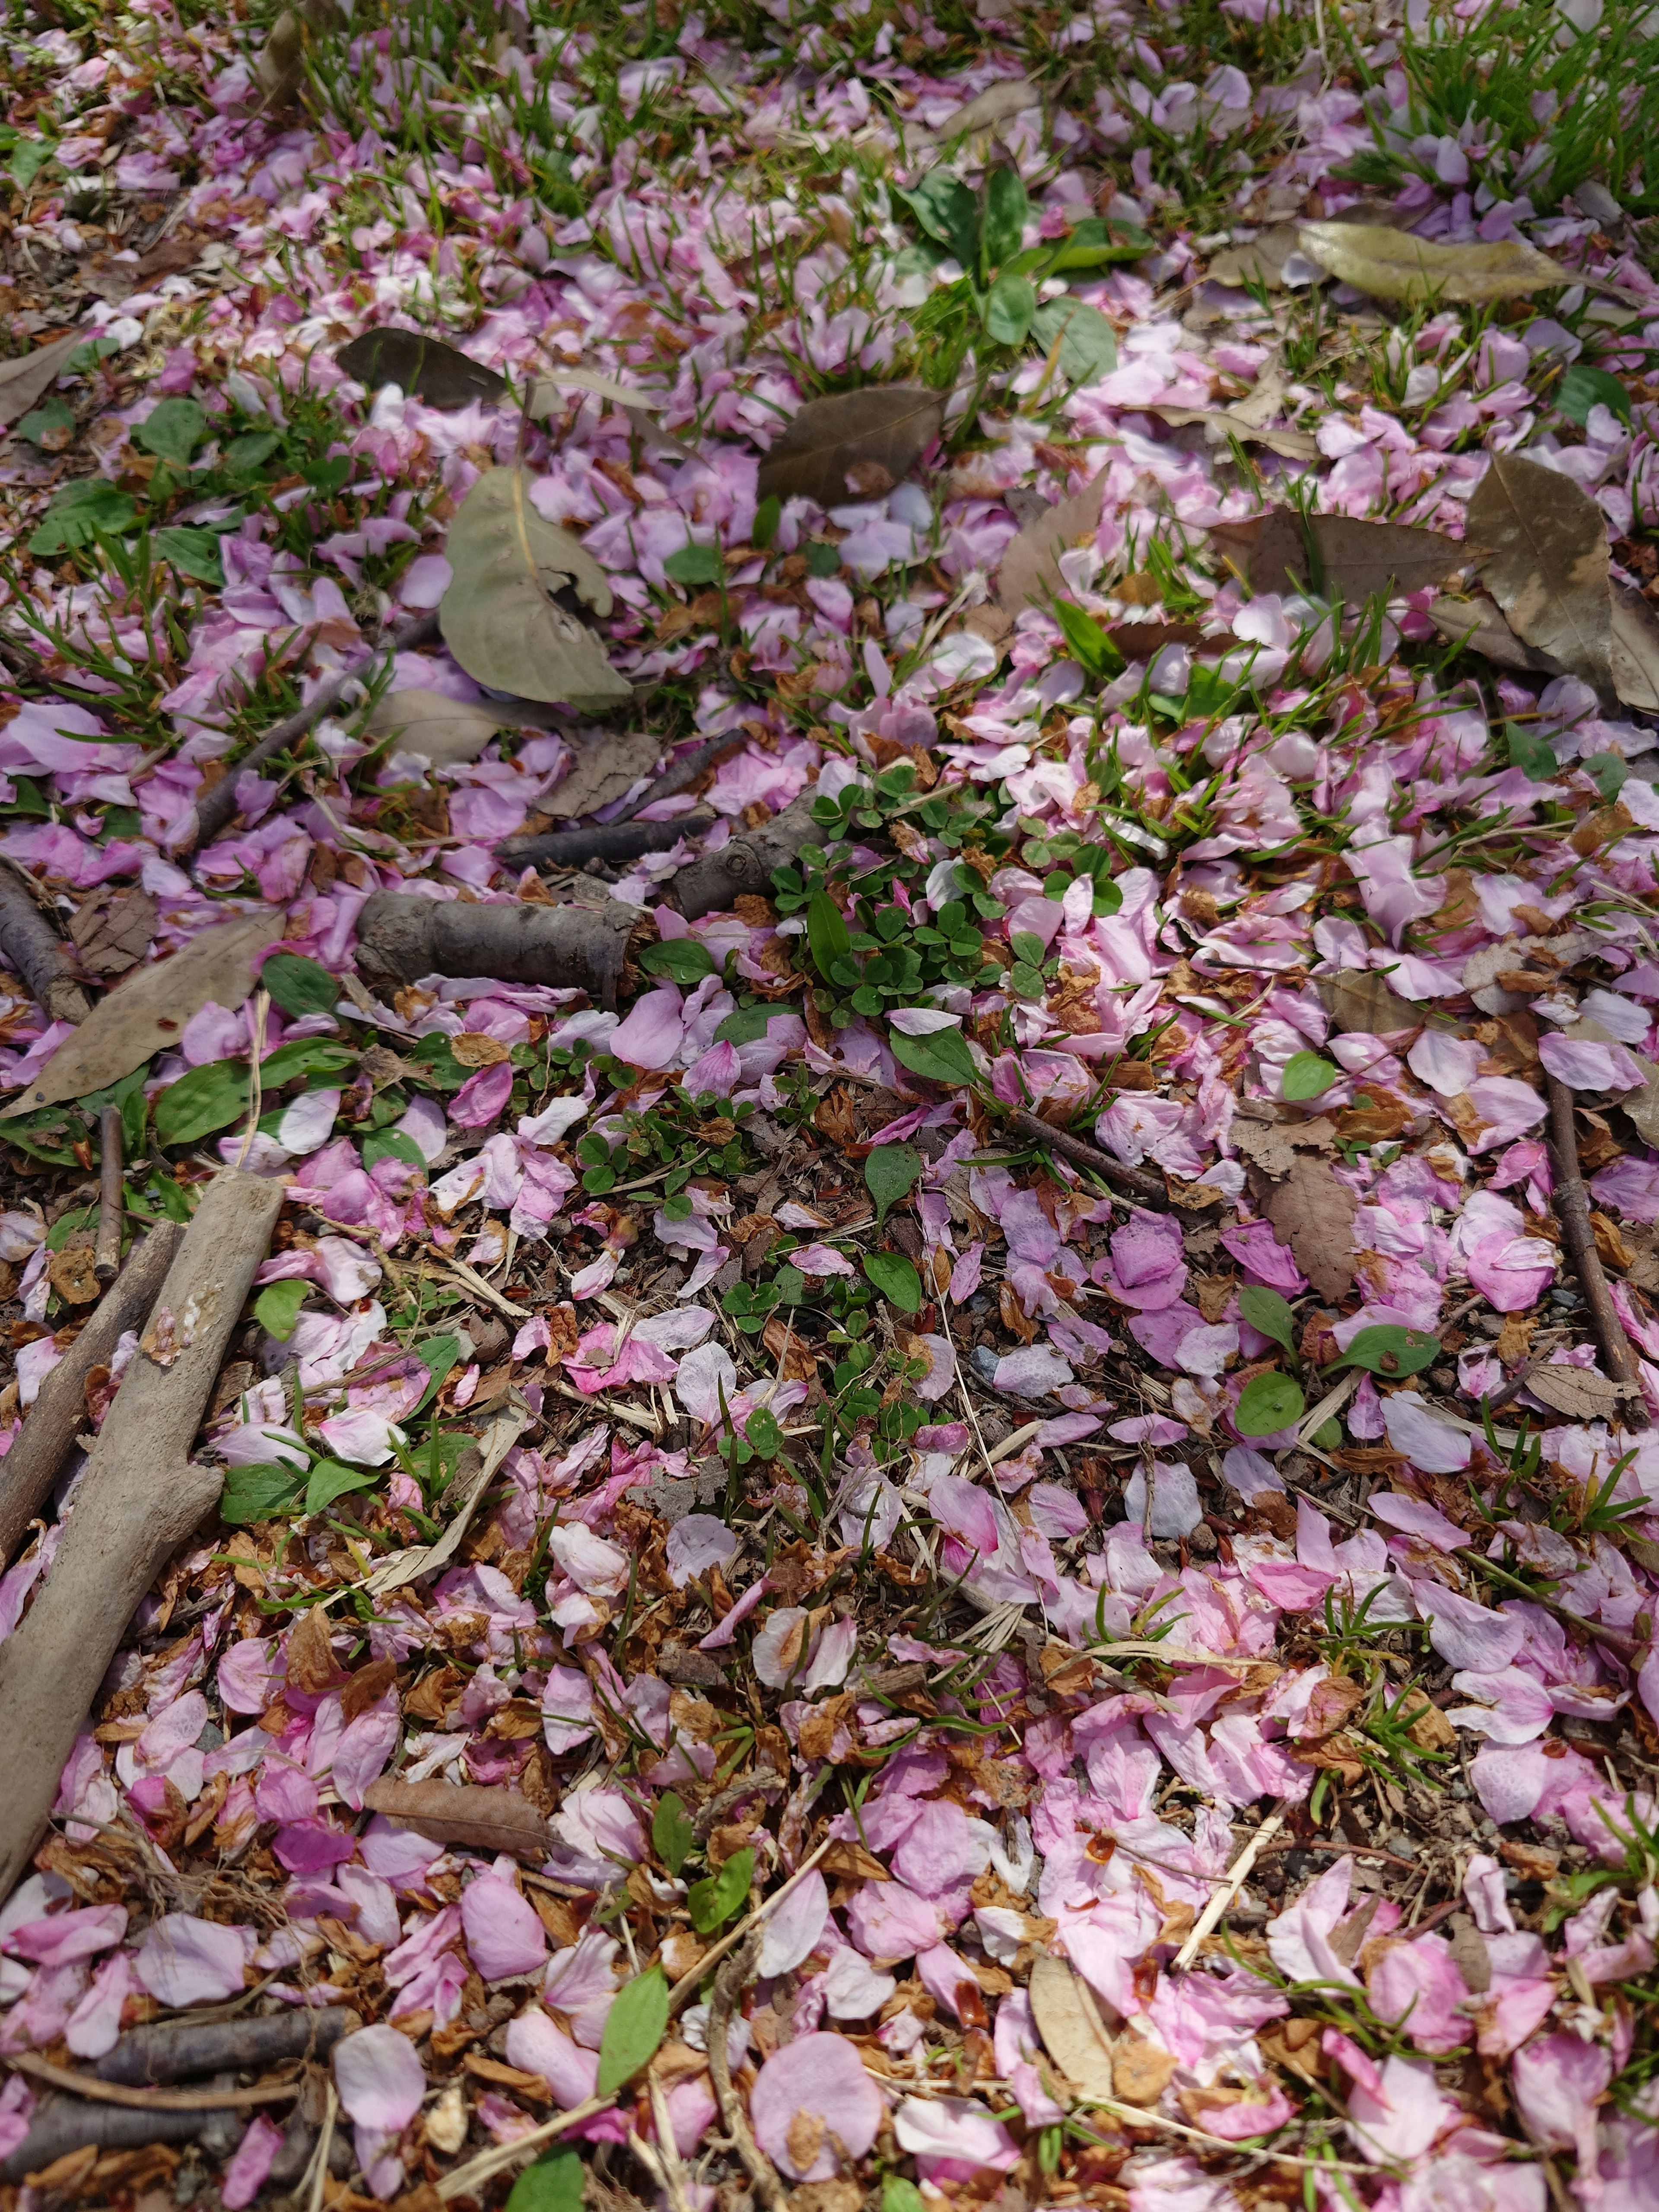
(1003, 1492)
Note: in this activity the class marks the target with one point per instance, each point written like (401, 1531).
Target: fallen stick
(30, 945)
(65, 2124)
(1238, 1874)
(1571, 1202)
(87, 2086)
(727, 1985)
(1147, 1188)
(683, 774)
(106, 1253)
(58, 1414)
(712, 884)
(175, 2049)
(401, 937)
(139, 1498)
(608, 840)
(214, 809)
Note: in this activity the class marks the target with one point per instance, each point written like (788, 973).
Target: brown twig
(106, 1253)
(606, 840)
(214, 809)
(727, 1985)
(1147, 1188)
(1572, 1203)
(30, 945)
(148, 2101)
(717, 1808)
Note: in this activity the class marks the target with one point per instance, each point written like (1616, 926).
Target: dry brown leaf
(1070, 2025)
(891, 423)
(441, 730)
(998, 103)
(1275, 1146)
(1141, 2069)
(1029, 571)
(507, 615)
(1480, 625)
(280, 65)
(1294, 445)
(366, 1688)
(146, 1013)
(425, 368)
(1361, 1003)
(1635, 650)
(113, 933)
(602, 773)
(72, 1275)
(1357, 560)
(473, 1049)
(312, 1667)
(1579, 1392)
(31, 375)
(1313, 1213)
(1261, 260)
(1547, 568)
(484, 1820)
(1393, 265)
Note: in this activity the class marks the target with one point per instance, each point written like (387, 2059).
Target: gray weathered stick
(139, 1498)
(57, 1415)
(29, 943)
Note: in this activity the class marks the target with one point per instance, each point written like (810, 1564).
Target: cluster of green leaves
(662, 1143)
(997, 292)
(1274, 1400)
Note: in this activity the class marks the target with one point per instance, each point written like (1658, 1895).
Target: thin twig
(146, 2101)
(1572, 1203)
(1238, 1874)
(669, 2166)
(316, 2175)
(1147, 1188)
(107, 1252)
(760, 2169)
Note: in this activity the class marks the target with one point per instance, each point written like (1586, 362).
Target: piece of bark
(214, 810)
(710, 885)
(479, 1818)
(31, 948)
(172, 2051)
(401, 937)
(107, 1260)
(58, 1414)
(139, 1498)
(1571, 1204)
(66, 2124)
(607, 841)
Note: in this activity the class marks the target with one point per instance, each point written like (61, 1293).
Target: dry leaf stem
(1572, 1210)
(728, 1984)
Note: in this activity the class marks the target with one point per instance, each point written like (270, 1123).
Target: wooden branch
(58, 1414)
(1147, 1188)
(173, 2049)
(1572, 1203)
(710, 885)
(607, 841)
(139, 1498)
(681, 774)
(31, 947)
(401, 936)
(215, 810)
(111, 1204)
(1237, 1877)
(149, 2100)
(61, 2124)
(728, 1984)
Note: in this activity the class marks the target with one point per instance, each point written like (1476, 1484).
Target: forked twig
(728, 1983)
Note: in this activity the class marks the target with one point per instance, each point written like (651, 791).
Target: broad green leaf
(671, 1833)
(503, 617)
(942, 1057)
(193, 553)
(1268, 1314)
(331, 1479)
(277, 1308)
(947, 210)
(1094, 242)
(1088, 643)
(632, 2030)
(889, 1172)
(681, 959)
(717, 1898)
(173, 431)
(88, 357)
(1268, 1403)
(306, 1056)
(393, 1144)
(1308, 1075)
(552, 2185)
(1009, 306)
(208, 1098)
(898, 2194)
(695, 564)
(438, 1355)
(1583, 387)
(746, 1026)
(897, 1280)
(1087, 342)
(259, 1493)
(762, 1433)
(1608, 772)
(78, 511)
(299, 985)
(1387, 1349)
(1008, 210)
(1531, 753)
(51, 426)
(826, 934)
(28, 157)
(768, 515)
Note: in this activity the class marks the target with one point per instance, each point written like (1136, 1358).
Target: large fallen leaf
(1548, 565)
(112, 931)
(1355, 560)
(1635, 650)
(1480, 625)
(1313, 1213)
(1393, 265)
(1579, 1392)
(425, 368)
(1262, 261)
(441, 730)
(1071, 2027)
(483, 1820)
(998, 103)
(1294, 445)
(31, 375)
(602, 773)
(511, 616)
(1030, 575)
(1361, 1003)
(280, 63)
(146, 1013)
(890, 425)
(561, 378)
(1082, 341)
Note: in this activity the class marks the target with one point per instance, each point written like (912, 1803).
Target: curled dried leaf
(425, 368)
(890, 423)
